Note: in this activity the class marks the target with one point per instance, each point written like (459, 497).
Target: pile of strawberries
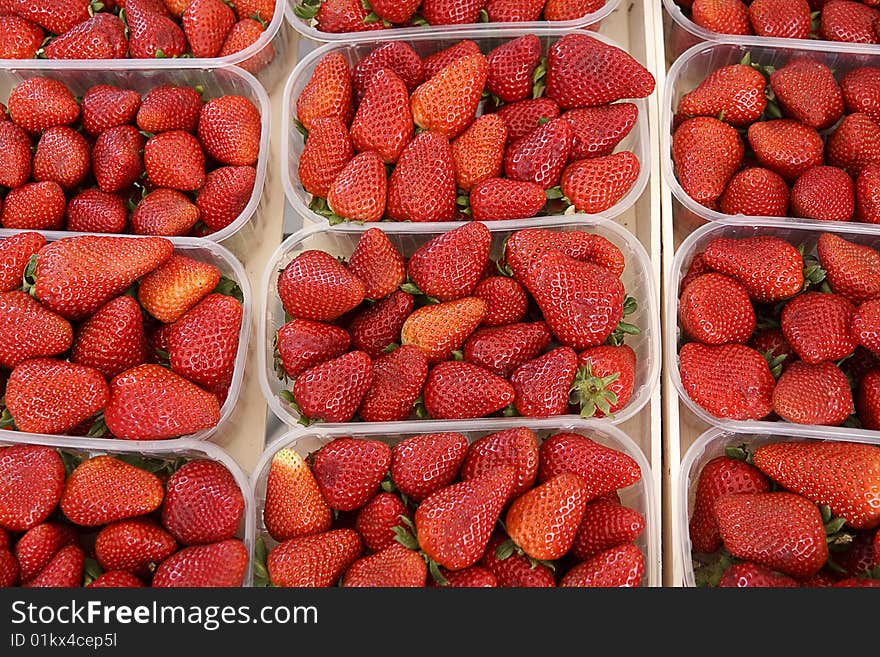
(370, 515)
(168, 164)
(852, 21)
(143, 29)
(772, 333)
(362, 15)
(117, 521)
(753, 140)
(113, 336)
(790, 514)
(546, 131)
(450, 334)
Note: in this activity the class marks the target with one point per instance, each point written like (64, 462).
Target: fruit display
(770, 511)
(168, 162)
(125, 337)
(505, 508)
(385, 327)
(70, 517)
(141, 29)
(440, 130)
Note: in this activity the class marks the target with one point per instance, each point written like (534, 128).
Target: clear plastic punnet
(426, 43)
(341, 240)
(640, 496)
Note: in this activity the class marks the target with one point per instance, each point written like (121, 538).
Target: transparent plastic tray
(426, 43)
(230, 267)
(141, 77)
(340, 242)
(189, 449)
(641, 496)
(712, 444)
(590, 21)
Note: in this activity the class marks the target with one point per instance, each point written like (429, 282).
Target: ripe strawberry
(100, 37)
(515, 571)
(15, 170)
(383, 121)
(855, 143)
(378, 263)
(164, 212)
(696, 268)
(261, 9)
(715, 309)
(379, 326)
(859, 558)
(424, 464)
(115, 579)
(36, 548)
(861, 91)
(868, 400)
(782, 19)
(524, 116)
(333, 390)
(621, 566)
(813, 394)
(302, 344)
(866, 325)
(706, 154)
(768, 267)
(206, 24)
(177, 285)
(595, 185)
(360, 190)
(105, 106)
(32, 479)
(851, 269)
(806, 89)
(447, 102)
(65, 570)
(840, 475)
(756, 192)
(168, 107)
(395, 566)
(498, 199)
(817, 326)
(439, 60)
(606, 524)
(511, 66)
(858, 582)
(19, 38)
(439, 329)
(112, 340)
(782, 531)
(150, 402)
(479, 152)
(394, 11)
(229, 130)
(38, 104)
(585, 72)
(525, 247)
(175, 159)
(503, 349)
(328, 92)
(397, 56)
(787, 147)
(422, 185)
(722, 16)
(471, 577)
(104, 489)
(133, 545)
(244, 34)
(117, 159)
(868, 194)
(506, 301)
(449, 266)
(596, 131)
(457, 390)
(225, 195)
(15, 252)
(313, 561)
(342, 16)
(515, 11)
(735, 92)
(748, 574)
(377, 520)
(606, 376)
(8, 568)
(294, 503)
(153, 35)
(28, 330)
(398, 379)
(316, 286)
(57, 16)
(851, 22)
(443, 12)
(94, 211)
(540, 157)
(203, 503)
(218, 564)
(542, 385)
(729, 381)
(34, 206)
(603, 470)
(569, 10)
(581, 302)
(515, 448)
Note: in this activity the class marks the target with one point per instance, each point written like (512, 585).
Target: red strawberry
(471, 577)
(57, 16)
(294, 503)
(359, 192)
(852, 270)
(782, 19)
(226, 194)
(596, 131)
(510, 68)
(706, 154)
(105, 106)
(164, 212)
(621, 566)
(715, 309)
(868, 194)
(115, 579)
(515, 448)
(113, 339)
(449, 266)
(203, 503)
(696, 268)
(866, 325)
(506, 301)
(218, 564)
(447, 102)
(383, 121)
(424, 464)
(168, 107)
(394, 11)
(855, 143)
(62, 156)
(328, 92)
(153, 35)
(150, 402)
(36, 548)
(395, 566)
(497, 199)
(460, 390)
(313, 561)
(398, 378)
(851, 22)
(868, 400)
(133, 545)
(378, 264)
(175, 159)
(540, 157)
(439, 329)
(768, 267)
(32, 479)
(479, 152)
(19, 38)
(15, 170)
(422, 185)
(735, 93)
(439, 60)
(65, 570)
(606, 524)
(28, 330)
(206, 24)
(747, 574)
(806, 89)
(542, 385)
(595, 185)
(443, 12)
(302, 344)
(117, 159)
(516, 11)
(377, 520)
(174, 287)
(787, 147)
(8, 569)
(230, 129)
(341, 16)
(813, 394)
(525, 116)
(100, 37)
(38, 104)
(379, 326)
(15, 252)
(858, 582)
(756, 192)
(606, 376)
(34, 206)
(525, 247)
(602, 469)
(817, 326)
(722, 16)
(397, 56)
(316, 286)
(244, 34)
(333, 390)
(861, 91)
(569, 10)
(502, 349)
(516, 570)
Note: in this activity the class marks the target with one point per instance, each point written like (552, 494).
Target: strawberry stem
(738, 452)
(307, 9)
(29, 279)
(261, 573)
(229, 288)
(592, 393)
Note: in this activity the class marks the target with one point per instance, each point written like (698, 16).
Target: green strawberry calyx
(307, 9)
(406, 536)
(508, 548)
(592, 393)
(261, 573)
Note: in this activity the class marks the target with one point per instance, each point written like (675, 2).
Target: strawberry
(542, 385)
(582, 303)
(858, 582)
(569, 10)
(782, 19)
(175, 159)
(36, 548)
(397, 56)
(722, 16)
(378, 263)
(294, 503)
(261, 9)
(443, 12)
(540, 157)
(525, 247)
(176, 286)
(115, 579)
(383, 121)
(715, 309)
(841, 475)
(817, 326)
(621, 566)
(395, 566)
(756, 192)
(379, 326)
(135, 545)
(422, 186)
(503, 349)
(328, 92)
(696, 268)
(855, 143)
(735, 93)
(470, 577)
(206, 24)
(225, 195)
(497, 199)
(394, 11)
(32, 479)
(606, 524)
(813, 394)
(511, 66)
(595, 185)
(768, 267)
(868, 400)
(449, 266)
(457, 390)
(861, 91)
(585, 72)
(15, 170)
(105, 106)
(516, 570)
(424, 464)
(230, 129)
(866, 325)
(868, 194)
(333, 390)
(62, 157)
(806, 89)
(56, 16)
(514, 11)
(782, 531)
(27, 330)
(729, 381)
(112, 340)
(605, 377)
(454, 524)
(203, 503)
(38, 205)
(603, 470)
(149, 402)
(38, 104)
(377, 520)
(104, 489)
(65, 570)
(852, 270)
(164, 212)
(524, 116)
(748, 574)
(244, 34)
(785, 146)
(506, 301)
(316, 286)
(852, 22)
(479, 152)
(100, 37)
(447, 102)
(360, 190)
(153, 35)
(596, 131)
(8, 569)
(117, 159)
(515, 448)
(19, 38)
(706, 154)
(15, 252)
(341, 16)
(168, 107)
(218, 564)
(303, 344)
(398, 378)
(439, 329)
(313, 561)
(436, 62)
